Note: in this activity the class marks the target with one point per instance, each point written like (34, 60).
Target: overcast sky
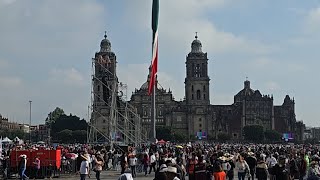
(46, 49)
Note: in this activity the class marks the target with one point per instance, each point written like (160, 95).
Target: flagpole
(153, 114)
(154, 67)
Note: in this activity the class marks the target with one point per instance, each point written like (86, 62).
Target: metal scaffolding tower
(117, 114)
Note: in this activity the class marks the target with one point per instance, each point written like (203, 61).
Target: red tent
(161, 141)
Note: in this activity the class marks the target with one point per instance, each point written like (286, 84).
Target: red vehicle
(49, 159)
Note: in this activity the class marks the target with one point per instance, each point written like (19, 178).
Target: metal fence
(48, 169)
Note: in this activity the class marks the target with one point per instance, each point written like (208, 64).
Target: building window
(98, 88)
(200, 119)
(179, 118)
(144, 112)
(204, 88)
(160, 112)
(104, 121)
(200, 125)
(192, 97)
(192, 88)
(204, 96)
(198, 95)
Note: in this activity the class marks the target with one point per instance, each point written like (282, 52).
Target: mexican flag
(154, 64)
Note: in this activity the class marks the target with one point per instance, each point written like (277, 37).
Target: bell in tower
(197, 79)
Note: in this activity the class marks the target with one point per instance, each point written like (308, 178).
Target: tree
(163, 133)
(253, 133)
(68, 122)
(223, 137)
(64, 136)
(179, 137)
(79, 136)
(53, 116)
(272, 135)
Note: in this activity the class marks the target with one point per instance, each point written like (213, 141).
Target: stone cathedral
(195, 116)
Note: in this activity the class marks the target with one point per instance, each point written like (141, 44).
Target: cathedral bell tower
(105, 83)
(197, 79)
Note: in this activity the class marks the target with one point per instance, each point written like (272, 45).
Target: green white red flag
(154, 64)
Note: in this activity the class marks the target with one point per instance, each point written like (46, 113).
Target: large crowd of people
(193, 161)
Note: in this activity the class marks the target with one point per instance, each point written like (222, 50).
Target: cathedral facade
(195, 116)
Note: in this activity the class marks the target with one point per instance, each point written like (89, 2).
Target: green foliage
(164, 133)
(223, 137)
(79, 136)
(179, 137)
(11, 134)
(53, 116)
(70, 122)
(253, 133)
(64, 136)
(272, 135)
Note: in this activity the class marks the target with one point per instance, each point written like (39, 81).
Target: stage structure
(113, 120)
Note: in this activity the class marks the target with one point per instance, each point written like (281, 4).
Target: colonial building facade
(196, 116)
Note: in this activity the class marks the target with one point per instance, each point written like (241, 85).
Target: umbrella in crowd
(71, 156)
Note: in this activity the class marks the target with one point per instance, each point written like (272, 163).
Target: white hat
(163, 168)
(23, 156)
(172, 169)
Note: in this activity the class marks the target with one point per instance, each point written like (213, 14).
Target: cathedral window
(193, 70)
(199, 119)
(198, 71)
(198, 95)
(204, 96)
(200, 125)
(179, 118)
(160, 112)
(192, 88)
(192, 97)
(204, 88)
(98, 88)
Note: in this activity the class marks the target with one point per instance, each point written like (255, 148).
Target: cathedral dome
(196, 46)
(145, 85)
(105, 45)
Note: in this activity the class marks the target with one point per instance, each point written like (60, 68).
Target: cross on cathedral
(105, 35)
(196, 35)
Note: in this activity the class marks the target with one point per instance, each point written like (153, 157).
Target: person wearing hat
(172, 173)
(161, 173)
(313, 172)
(280, 170)
(252, 162)
(23, 167)
(84, 167)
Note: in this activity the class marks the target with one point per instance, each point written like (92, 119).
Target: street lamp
(30, 122)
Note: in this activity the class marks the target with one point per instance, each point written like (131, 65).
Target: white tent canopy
(6, 140)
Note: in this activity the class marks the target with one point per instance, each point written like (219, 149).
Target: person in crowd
(218, 172)
(200, 169)
(242, 167)
(84, 168)
(172, 173)
(313, 173)
(252, 162)
(230, 160)
(23, 167)
(271, 161)
(126, 175)
(123, 162)
(280, 170)
(36, 169)
(153, 162)
(302, 165)
(262, 169)
(145, 162)
(161, 173)
(133, 163)
(191, 165)
(98, 165)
